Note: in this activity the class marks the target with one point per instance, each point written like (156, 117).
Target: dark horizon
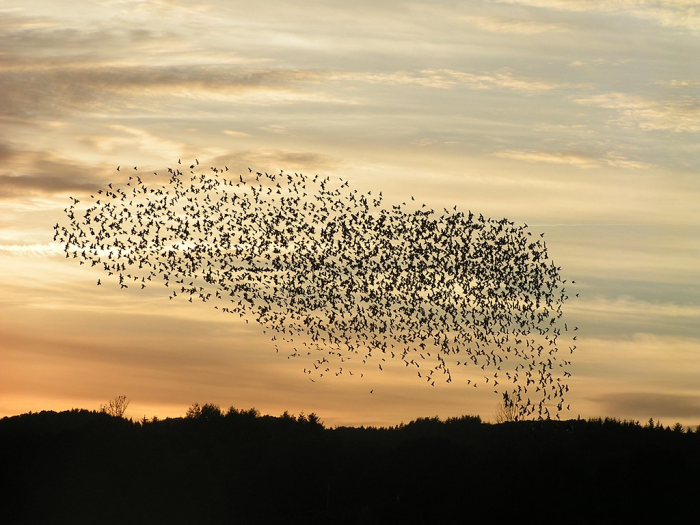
(87, 466)
(500, 416)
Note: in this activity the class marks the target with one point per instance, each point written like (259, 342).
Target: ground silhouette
(239, 466)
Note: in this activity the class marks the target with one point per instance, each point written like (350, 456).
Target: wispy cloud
(579, 160)
(669, 13)
(41, 172)
(618, 160)
(276, 159)
(30, 250)
(649, 376)
(233, 133)
(449, 78)
(18, 186)
(131, 137)
(681, 114)
(652, 404)
(59, 90)
(679, 83)
(518, 26)
(571, 159)
(46, 173)
(633, 308)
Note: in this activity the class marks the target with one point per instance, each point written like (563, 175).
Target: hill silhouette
(239, 466)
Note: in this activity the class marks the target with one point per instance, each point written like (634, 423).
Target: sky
(578, 118)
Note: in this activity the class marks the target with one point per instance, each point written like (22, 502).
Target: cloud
(669, 13)
(571, 159)
(579, 160)
(31, 250)
(652, 404)
(276, 129)
(516, 26)
(617, 160)
(99, 34)
(7, 152)
(423, 142)
(233, 133)
(679, 83)
(42, 172)
(53, 71)
(449, 78)
(134, 138)
(48, 173)
(633, 320)
(276, 159)
(630, 308)
(17, 186)
(643, 376)
(680, 114)
(46, 90)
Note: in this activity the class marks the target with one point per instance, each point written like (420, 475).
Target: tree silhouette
(505, 412)
(245, 467)
(116, 407)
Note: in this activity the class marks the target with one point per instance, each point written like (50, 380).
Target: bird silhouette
(339, 274)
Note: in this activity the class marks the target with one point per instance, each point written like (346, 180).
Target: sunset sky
(580, 118)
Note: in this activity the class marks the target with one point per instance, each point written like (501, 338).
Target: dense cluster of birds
(337, 277)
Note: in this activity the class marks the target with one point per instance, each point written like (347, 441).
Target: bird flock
(338, 278)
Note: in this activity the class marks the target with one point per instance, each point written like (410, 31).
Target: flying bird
(339, 278)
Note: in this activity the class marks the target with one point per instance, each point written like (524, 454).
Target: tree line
(239, 466)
